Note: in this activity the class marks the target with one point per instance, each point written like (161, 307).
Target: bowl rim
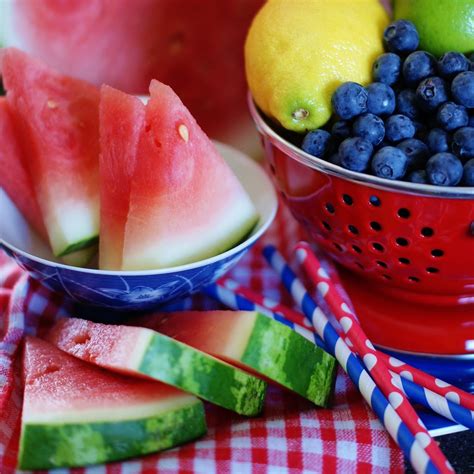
(427, 190)
(259, 230)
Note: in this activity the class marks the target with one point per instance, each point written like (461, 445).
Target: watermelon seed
(183, 132)
(52, 104)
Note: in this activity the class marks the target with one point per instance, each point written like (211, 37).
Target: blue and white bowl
(136, 290)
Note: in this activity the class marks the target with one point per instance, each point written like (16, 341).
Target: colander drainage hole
(405, 261)
(404, 213)
(347, 199)
(375, 201)
(326, 226)
(401, 241)
(432, 270)
(437, 253)
(427, 232)
(353, 229)
(375, 226)
(330, 208)
(359, 265)
(356, 249)
(381, 264)
(414, 279)
(386, 277)
(339, 247)
(378, 247)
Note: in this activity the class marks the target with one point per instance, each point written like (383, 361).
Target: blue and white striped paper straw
(437, 403)
(411, 446)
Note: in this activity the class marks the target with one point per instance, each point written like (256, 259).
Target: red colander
(406, 250)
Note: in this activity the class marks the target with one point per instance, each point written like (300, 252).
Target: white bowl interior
(16, 234)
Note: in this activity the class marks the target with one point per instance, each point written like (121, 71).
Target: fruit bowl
(136, 290)
(406, 250)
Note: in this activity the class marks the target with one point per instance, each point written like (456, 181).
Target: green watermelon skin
(186, 204)
(142, 352)
(75, 414)
(51, 446)
(57, 120)
(253, 341)
(195, 46)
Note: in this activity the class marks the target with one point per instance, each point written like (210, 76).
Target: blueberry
(390, 163)
(452, 116)
(463, 142)
(416, 151)
(450, 64)
(355, 153)
(462, 89)
(444, 169)
(317, 143)
(418, 176)
(341, 130)
(387, 68)
(349, 100)
(407, 104)
(418, 66)
(370, 127)
(468, 174)
(438, 140)
(380, 99)
(398, 127)
(431, 93)
(401, 37)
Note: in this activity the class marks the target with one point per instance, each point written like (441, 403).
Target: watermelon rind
(57, 443)
(77, 246)
(179, 365)
(289, 359)
(80, 258)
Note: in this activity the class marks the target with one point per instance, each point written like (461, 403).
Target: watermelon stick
(412, 446)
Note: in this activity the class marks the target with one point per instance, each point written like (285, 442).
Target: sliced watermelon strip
(57, 120)
(143, 352)
(76, 414)
(121, 123)
(252, 341)
(14, 178)
(185, 202)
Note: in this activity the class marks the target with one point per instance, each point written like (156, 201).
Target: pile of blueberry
(415, 122)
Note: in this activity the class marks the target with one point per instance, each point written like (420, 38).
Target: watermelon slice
(57, 119)
(143, 352)
(76, 414)
(253, 341)
(14, 178)
(121, 123)
(185, 202)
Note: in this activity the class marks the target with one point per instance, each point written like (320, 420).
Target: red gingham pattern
(291, 436)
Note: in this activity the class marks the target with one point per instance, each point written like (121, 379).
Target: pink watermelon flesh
(14, 177)
(57, 119)
(196, 46)
(121, 123)
(185, 202)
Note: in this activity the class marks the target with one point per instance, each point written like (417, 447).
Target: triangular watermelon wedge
(58, 123)
(121, 123)
(76, 414)
(14, 178)
(185, 202)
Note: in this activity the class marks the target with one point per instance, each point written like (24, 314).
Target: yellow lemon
(298, 52)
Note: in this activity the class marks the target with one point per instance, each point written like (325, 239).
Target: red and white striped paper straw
(356, 338)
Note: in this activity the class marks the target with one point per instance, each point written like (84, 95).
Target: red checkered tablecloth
(291, 436)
